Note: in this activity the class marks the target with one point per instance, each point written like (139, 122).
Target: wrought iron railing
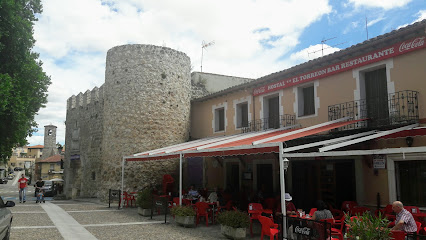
(268, 123)
(399, 108)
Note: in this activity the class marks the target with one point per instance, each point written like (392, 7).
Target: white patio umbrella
(56, 180)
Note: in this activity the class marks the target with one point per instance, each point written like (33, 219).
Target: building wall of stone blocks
(83, 139)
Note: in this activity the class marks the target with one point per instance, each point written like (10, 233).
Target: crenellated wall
(83, 139)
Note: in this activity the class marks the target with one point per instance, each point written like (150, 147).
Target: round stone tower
(146, 104)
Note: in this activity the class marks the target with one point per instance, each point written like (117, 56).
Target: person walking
(22, 188)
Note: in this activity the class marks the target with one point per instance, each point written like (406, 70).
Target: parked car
(5, 218)
(10, 177)
(3, 180)
(48, 188)
(18, 169)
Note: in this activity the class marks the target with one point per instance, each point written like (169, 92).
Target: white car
(5, 219)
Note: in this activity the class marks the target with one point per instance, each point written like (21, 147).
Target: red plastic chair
(202, 209)
(269, 228)
(398, 235)
(255, 211)
(419, 224)
(337, 227)
(129, 199)
(167, 183)
(348, 205)
(312, 212)
(270, 203)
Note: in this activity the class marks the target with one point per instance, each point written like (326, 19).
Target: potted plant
(144, 202)
(367, 226)
(234, 224)
(184, 215)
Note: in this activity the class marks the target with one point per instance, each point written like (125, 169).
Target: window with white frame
(219, 119)
(242, 115)
(306, 100)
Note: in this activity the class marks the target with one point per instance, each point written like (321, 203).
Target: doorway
(410, 182)
(265, 179)
(272, 112)
(376, 92)
(233, 177)
(332, 181)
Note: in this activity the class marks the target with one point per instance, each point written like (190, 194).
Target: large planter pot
(185, 221)
(144, 212)
(233, 233)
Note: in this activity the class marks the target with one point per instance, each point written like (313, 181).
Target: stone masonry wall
(83, 139)
(147, 106)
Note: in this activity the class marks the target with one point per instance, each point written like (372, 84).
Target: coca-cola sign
(415, 43)
(369, 58)
(302, 230)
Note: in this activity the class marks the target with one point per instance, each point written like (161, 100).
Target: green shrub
(144, 199)
(235, 219)
(368, 227)
(182, 211)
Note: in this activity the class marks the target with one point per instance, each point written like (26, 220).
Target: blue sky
(252, 38)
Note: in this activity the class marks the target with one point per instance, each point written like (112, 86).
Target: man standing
(404, 220)
(22, 187)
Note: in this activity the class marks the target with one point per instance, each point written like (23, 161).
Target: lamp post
(284, 163)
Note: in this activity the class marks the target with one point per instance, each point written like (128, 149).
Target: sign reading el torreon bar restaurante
(375, 56)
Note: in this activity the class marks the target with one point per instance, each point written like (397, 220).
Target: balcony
(400, 108)
(270, 123)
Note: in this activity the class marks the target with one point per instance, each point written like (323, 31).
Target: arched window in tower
(49, 132)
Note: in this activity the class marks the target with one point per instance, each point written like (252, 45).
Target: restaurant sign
(372, 57)
(379, 161)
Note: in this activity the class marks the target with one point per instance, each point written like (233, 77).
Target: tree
(23, 84)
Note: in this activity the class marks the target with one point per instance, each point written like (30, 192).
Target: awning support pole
(122, 183)
(180, 179)
(282, 184)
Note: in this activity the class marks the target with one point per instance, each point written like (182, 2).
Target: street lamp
(286, 162)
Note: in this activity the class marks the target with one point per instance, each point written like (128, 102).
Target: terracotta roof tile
(54, 158)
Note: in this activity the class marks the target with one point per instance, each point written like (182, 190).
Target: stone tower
(146, 105)
(49, 148)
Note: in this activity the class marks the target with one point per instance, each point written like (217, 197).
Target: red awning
(239, 144)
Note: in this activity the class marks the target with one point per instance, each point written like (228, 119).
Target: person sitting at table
(322, 211)
(213, 197)
(289, 206)
(193, 193)
(404, 219)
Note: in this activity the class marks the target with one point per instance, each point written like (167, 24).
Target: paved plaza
(90, 219)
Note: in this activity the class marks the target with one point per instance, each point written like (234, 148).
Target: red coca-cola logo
(418, 42)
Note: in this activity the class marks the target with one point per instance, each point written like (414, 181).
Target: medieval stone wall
(83, 138)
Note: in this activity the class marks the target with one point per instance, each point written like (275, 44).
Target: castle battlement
(87, 98)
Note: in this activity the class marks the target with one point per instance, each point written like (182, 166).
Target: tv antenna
(322, 46)
(366, 26)
(204, 45)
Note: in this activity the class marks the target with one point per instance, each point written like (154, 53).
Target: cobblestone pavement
(31, 221)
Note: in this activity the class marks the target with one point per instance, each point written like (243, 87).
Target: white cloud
(421, 15)
(74, 36)
(385, 4)
(312, 52)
